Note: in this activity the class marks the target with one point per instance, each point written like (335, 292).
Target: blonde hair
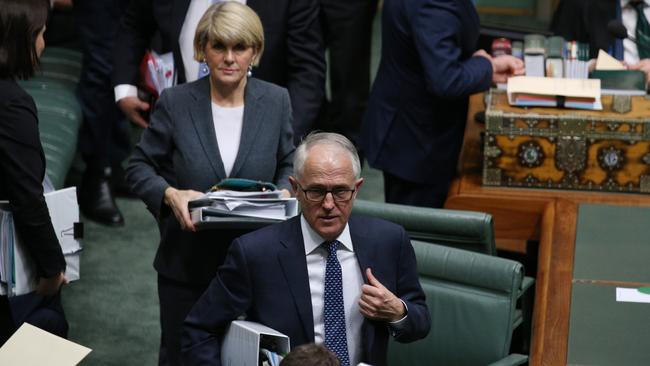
(229, 22)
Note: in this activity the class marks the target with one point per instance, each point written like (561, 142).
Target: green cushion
(460, 229)
(472, 300)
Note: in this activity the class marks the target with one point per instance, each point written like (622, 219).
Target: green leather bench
(59, 112)
(472, 301)
(459, 229)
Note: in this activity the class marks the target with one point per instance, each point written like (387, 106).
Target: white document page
(32, 346)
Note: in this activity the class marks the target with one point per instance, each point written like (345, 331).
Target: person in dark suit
(322, 277)
(223, 125)
(413, 127)
(347, 32)
(586, 21)
(104, 137)
(294, 56)
(22, 162)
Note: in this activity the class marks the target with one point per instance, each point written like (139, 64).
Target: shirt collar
(625, 3)
(312, 240)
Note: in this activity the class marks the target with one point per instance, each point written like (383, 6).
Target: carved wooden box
(606, 150)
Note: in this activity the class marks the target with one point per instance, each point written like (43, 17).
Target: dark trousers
(6, 322)
(104, 134)
(176, 301)
(398, 190)
(347, 31)
(42, 312)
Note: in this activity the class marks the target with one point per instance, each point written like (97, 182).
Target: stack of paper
(525, 91)
(157, 72)
(17, 271)
(236, 206)
(32, 346)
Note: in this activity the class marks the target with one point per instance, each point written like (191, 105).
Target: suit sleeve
(228, 296)
(437, 28)
(133, 38)
(306, 65)
(21, 171)
(418, 322)
(151, 158)
(285, 147)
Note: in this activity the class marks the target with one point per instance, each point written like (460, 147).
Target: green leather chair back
(472, 300)
(459, 229)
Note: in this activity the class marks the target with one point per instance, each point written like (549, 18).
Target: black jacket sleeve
(22, 168)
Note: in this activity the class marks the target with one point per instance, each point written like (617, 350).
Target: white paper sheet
(32, 346)
(631, 295)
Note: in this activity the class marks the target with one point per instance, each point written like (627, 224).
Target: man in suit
(413, 127)
(347, 32)
(318, 277)
(586, 21)
(294, 56)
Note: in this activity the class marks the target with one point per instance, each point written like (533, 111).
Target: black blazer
(265, 277)
(586, 21)
(22, 168)
(413, 127)
(294, 55)
(179, 149)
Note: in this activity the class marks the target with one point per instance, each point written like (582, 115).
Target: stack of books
(524, 91)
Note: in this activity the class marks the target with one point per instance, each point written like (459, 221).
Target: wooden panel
(522, 214)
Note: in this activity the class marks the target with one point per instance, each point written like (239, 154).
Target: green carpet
(113, 309)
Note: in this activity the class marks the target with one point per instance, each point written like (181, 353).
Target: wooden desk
(532, 214)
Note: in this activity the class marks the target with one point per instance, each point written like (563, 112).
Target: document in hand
(17, 271)
(244, 340)
(525, 91)
(233, 206)
(32, 346)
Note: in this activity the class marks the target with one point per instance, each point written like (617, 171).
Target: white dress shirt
(352, 282)
(629, 17)
(228, 123)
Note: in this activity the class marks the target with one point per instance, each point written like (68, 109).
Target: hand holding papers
(242, 209)
(525, 91)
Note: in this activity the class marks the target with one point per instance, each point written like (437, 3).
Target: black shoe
(97, 203)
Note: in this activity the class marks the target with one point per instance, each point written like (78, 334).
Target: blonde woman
(226, 124)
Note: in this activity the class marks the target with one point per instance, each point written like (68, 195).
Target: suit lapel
(294, 267)
(251, 124)
(201, 116)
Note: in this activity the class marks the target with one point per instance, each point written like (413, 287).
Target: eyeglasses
(318, 194)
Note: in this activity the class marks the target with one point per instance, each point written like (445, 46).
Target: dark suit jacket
(22, 168)
(414, 124)
(586, 21)
(179, 149)
(265, 276)
(293, 56)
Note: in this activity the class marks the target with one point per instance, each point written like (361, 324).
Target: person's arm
(21, 172)
(133, 38)
(228, 296)
(151, 157)
(285, 147)
(404, 311)
(305, 65)
(436, 26)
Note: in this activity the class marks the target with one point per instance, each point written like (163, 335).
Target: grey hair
(325, 138)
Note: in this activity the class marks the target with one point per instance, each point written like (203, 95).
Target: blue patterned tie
(334, 311)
